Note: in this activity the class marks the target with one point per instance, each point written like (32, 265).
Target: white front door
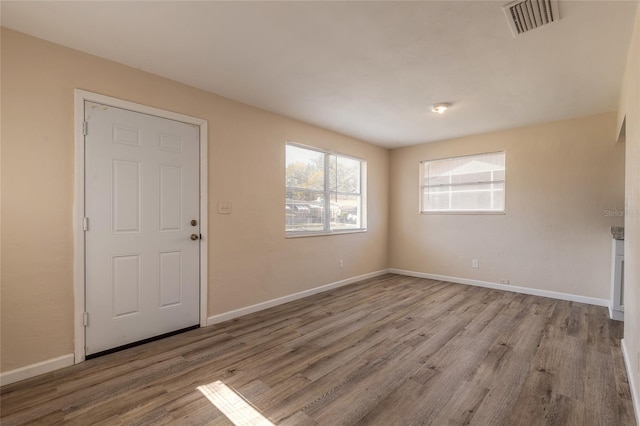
(142, 238)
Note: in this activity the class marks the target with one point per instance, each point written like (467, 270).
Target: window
(474, 183)
(324, 191)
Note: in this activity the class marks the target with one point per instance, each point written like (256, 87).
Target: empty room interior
(320, 213)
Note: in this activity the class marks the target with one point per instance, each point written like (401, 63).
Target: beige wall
(561, 177)
(555, 236)
(630, 108)
(250, 261)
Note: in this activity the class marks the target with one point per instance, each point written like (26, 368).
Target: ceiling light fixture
(441, 107)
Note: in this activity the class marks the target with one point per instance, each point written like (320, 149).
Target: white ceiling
(366, 69)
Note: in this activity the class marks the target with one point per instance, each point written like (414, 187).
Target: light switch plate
(224, 207)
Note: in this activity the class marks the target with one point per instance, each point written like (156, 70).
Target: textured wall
(561, 178)
(250, 260)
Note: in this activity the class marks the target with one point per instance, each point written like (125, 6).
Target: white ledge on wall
(68, 360)
(505, 287)
(215, 319)
(226, 316)
(36, 369)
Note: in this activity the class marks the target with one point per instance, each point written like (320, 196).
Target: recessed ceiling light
(441, 107)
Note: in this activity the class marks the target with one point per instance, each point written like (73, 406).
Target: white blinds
(473, 183)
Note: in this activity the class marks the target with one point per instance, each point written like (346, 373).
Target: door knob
(194, 237)
(194, 222)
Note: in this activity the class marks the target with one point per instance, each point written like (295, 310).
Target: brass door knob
(194, 237)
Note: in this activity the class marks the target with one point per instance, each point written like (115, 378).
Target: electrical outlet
(504, 281)
(475, 263)
(341, 264)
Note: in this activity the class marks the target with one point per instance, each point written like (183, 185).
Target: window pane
(348, 175)
(304, 211)
(460, 170)
(464, 183)
(436, 199)
(305, 168)
(473, 197)
(347, 209)
(435, 180)
(317, 181)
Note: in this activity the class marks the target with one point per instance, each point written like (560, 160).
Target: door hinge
(85, 128)
(85, 318)
(85, 223)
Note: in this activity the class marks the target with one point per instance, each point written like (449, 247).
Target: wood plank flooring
(391, 350)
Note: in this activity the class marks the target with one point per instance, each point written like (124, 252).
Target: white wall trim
(616, 315)
(215, 319)
(36, 369)
(78, 204)
(505, 287)
(69, 359)
(632, 380)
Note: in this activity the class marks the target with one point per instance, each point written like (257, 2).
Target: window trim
(421, 187)
(327, 193)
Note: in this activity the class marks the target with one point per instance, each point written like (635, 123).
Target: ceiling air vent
(527, 15)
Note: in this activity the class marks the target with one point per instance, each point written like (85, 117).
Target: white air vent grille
(527, 15)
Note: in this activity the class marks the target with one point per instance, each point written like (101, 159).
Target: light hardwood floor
(391, 350)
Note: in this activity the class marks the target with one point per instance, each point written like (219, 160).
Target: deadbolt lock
(194, 222)
(194, 237)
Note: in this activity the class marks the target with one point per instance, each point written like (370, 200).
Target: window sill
(466, 213)
(324, 234)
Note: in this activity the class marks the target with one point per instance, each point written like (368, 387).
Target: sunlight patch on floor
(233, 405)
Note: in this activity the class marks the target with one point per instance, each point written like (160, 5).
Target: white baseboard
(215, 319)
(68, 360)
(615, 314)
(505, 287)
(36, 369)
(635, 397)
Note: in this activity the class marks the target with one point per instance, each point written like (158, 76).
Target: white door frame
(78, 205)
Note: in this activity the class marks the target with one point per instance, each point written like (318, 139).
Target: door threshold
(140, 342)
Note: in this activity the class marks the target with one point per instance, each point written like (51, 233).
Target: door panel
(141, 193)
(125, 283)
(170, 192)
(170, 278)
(126, 196)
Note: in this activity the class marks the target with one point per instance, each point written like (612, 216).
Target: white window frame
(422, 186)
(326, 192)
